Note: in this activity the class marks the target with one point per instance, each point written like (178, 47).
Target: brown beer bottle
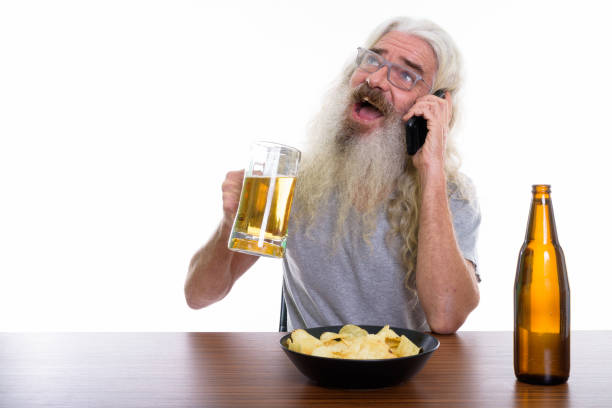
(541, 300)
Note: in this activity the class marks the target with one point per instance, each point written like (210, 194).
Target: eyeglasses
(398, 76)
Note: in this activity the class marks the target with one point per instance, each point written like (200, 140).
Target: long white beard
(359, 169)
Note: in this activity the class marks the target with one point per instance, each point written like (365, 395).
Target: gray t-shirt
(357, 283)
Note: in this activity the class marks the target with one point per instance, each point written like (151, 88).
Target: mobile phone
(416, 129)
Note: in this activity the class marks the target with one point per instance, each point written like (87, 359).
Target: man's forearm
(214, 269)
(446, 284)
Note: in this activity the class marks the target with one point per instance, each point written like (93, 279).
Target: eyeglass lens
(398, 76)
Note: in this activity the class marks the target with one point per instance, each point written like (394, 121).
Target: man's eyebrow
(406, 61)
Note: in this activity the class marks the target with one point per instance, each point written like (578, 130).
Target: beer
(541, 299)
(263, 215)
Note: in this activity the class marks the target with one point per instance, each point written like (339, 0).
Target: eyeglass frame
(389, 65)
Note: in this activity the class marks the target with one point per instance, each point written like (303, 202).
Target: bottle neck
(541, 227)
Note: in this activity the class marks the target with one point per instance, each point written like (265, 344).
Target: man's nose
(378, 79)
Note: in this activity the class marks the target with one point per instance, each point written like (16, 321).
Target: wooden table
(470, 369)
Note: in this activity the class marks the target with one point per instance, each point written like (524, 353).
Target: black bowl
(345, 373)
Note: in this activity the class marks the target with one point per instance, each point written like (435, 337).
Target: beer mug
(262, 220)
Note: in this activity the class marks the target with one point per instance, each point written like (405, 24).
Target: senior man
(376, 236)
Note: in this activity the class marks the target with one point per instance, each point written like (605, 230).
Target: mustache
(374, 96)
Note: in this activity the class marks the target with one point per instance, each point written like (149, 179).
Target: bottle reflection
(541, 396)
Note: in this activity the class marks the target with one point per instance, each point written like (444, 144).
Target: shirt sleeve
(466, 221)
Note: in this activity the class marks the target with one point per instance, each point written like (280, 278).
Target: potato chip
(406, 348)
(303, 342)
(353, 347)
(331, 348)
(323, 351)
(353, 342)
(386, 332)
(352, 331)
(325, 337)
(372, 347)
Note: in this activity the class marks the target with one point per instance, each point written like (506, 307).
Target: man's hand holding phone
(434, 113)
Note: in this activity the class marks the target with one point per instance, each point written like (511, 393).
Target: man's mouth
(370, 106)
(366, 111)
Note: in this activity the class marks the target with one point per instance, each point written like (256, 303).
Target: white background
(119, 120)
